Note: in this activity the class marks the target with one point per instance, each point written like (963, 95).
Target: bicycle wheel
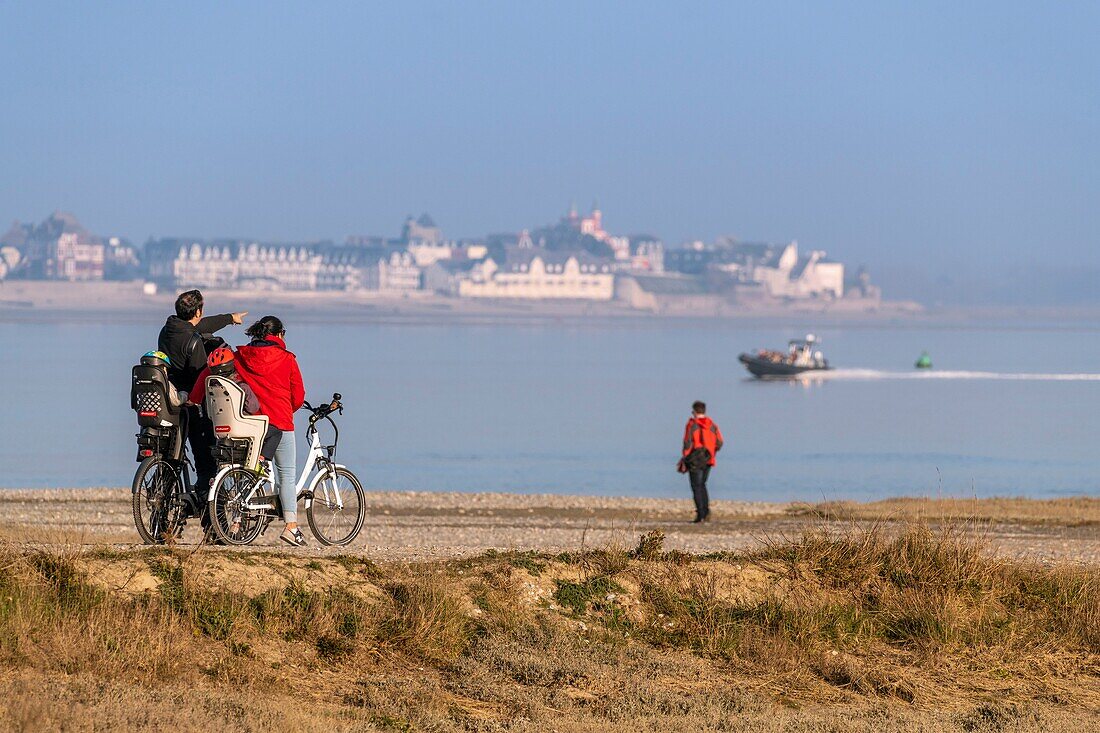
(338, 508)
(232, 523)
(156, 501)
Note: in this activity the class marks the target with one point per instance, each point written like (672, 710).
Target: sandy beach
(46, 301)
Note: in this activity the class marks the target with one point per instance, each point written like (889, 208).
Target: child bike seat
(225, 408)
(153, 397)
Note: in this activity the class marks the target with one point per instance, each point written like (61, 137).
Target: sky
(953, 148)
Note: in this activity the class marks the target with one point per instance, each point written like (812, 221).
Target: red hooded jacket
(272, 372)
(700, 432)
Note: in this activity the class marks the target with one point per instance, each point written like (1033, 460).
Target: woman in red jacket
(272, 373)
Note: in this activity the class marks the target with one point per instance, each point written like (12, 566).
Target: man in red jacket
(702, 441)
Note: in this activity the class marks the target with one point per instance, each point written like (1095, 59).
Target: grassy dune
(864, 631)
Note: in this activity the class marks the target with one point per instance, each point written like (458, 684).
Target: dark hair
(188, 304)
(699, 407)
(266, 326)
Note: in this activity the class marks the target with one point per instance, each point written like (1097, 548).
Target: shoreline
(25, 301)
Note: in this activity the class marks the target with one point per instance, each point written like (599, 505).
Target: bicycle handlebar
(324, 411)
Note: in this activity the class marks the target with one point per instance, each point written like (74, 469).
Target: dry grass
(1067, 512)
(868, 630)
(913, 615)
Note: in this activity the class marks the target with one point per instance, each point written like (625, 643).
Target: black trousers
(272, 438)
(200, 434)
(699, 492)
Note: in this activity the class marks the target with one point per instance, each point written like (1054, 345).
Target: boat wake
(874, 374)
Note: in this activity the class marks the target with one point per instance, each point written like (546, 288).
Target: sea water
(599, 408)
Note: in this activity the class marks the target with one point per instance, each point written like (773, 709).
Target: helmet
(221, 361)
(156, 358)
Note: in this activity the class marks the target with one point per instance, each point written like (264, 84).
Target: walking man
(181, 340)
(702, 441)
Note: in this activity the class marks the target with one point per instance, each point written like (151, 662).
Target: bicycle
(243, 502)
(162, 494)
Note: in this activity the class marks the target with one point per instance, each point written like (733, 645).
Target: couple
(264, 367)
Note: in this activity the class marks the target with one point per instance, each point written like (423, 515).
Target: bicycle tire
(155, 500)
(321, 509)
(230, 488)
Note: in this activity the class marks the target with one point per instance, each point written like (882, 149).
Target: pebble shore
(418, 526)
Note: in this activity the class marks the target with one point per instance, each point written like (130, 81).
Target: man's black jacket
(187, 358)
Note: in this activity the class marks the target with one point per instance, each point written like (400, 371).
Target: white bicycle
(243, 502)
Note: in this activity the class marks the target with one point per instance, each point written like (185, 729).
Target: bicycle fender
(217, 479)
(335, 466)
(317, 479)
(133, 484)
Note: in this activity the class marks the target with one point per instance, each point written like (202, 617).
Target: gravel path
(404, 526)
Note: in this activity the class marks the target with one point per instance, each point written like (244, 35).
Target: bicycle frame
(181, 465)
(318, 461)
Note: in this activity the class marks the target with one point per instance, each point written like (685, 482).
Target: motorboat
(802, 356)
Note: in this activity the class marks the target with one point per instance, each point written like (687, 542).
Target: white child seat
(225, 408)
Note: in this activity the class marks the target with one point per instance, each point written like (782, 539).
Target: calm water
(600, 410)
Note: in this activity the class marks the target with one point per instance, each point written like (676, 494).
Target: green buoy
(925, 361)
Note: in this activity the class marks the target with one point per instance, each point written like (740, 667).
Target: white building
(255, 266)
(246, 266)
(75, 256)
(398, 271)
(424, 240)
(785, 274)
(531, 273)
(428, 253)
(200, 265)
(278, 267)
(647, 255)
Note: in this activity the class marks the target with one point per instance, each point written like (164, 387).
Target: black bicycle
(158, 500)
(162, 492)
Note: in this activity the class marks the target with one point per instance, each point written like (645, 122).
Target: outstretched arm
(212, 324)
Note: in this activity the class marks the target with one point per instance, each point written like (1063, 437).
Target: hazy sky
(924, 139)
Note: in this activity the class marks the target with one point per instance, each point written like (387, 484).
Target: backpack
(209, 343)
(698, 459)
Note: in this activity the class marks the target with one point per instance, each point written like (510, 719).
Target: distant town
(575, 258)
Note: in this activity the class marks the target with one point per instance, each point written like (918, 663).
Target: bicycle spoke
(155, 501)
(336, 511)
(233, 521)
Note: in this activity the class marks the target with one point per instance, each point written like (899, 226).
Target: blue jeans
(286, 475)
